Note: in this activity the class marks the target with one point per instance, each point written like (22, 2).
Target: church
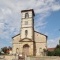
(28, 41)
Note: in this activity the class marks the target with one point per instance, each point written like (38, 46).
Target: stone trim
(40, 42)
(25, 38)
(29, 10)
(27, 27)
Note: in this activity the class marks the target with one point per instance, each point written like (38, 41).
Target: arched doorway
(26, 49)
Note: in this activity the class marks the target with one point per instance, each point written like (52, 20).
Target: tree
(10, 48)
(50, 53)
(4, 49)
(0, 52)
(56, 52)
(58, 46)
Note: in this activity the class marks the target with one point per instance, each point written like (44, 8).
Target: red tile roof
(51, 49)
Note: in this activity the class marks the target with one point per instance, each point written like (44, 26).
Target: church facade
(29, 41)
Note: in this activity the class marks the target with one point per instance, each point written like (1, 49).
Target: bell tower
(27, 24)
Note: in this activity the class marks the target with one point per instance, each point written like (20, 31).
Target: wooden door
(26, 49)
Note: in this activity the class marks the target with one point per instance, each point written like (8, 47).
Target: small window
(26, 22)
(26, 33)
(26, 15)
(17, 50)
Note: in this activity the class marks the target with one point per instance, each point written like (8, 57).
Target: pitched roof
(41, 33)
(16, 35)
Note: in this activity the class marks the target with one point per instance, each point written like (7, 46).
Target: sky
(47, 15)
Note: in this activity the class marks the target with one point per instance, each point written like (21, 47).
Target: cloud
(10, 15)
(55, 7)
(53, 42)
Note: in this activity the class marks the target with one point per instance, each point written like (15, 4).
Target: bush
(56, 52)
(50, 53)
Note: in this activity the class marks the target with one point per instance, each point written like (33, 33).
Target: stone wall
(7, 57)
(44, 58)
(13, 57)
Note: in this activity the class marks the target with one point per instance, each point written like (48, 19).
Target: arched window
(26, 33)
(26, 15)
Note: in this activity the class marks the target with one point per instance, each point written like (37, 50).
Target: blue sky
(47, 15)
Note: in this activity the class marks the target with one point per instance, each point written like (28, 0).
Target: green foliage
(4, 49)
(56, 52)
(0, 53)
(58, 46)
(50, 53)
